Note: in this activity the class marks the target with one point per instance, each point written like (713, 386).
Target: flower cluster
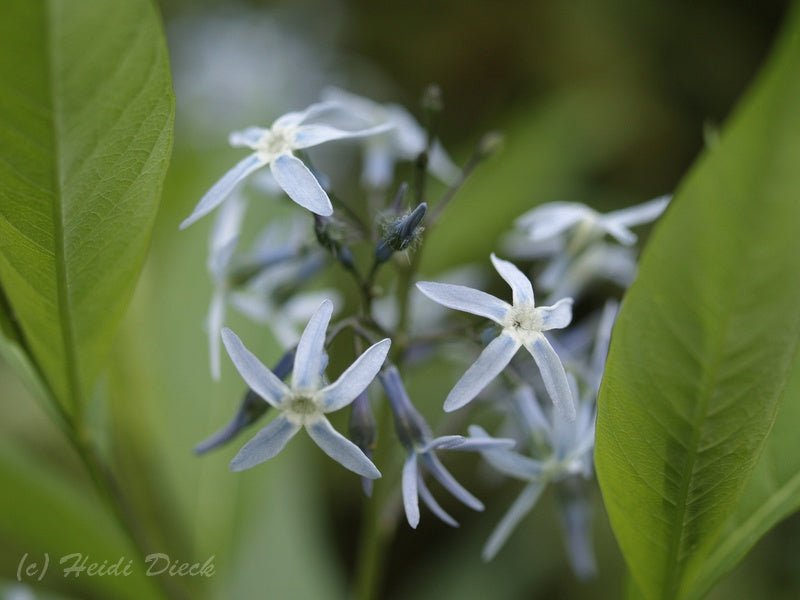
(548, 412)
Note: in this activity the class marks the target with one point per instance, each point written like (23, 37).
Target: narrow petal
(552, 219)
(619, 232)
(356, 378)
(449, 482)
(601, 342)
(314, 111)
(530, 411)
(520, 284)
(494, 358)
(445, 442)
(433, 505)
(557, 316)
(576, 518)
(410, 497)
(466, 299)
(521, 507)
(308, 359)
(246, 138)
(507, 462)
(266, 444)
(553, 375)
(260, 379)
(216, 320)
(220, 190)
(483, 444)
(300, 184)
(340, 449)
(639, 214)
(314, 135)
(225, 234)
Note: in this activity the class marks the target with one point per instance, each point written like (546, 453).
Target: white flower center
(300, 407)
(523, 321)
(275, 142)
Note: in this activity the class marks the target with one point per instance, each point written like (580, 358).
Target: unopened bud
(432, 99)
(330, 234)
(363, 432)
(409, 424)
(401, 233)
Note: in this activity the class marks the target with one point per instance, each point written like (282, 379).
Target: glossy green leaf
(705, 344)
(84, 143)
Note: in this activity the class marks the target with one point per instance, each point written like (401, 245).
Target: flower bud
(363, 432)
(331, 236)
(409, 424)
(401, 233)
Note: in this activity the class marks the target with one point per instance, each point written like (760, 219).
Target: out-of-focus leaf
(55, 516)
(705, 344)
(84, 143)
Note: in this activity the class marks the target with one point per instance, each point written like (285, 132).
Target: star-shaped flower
(416, 437)
(523, 324)
(404, 141)
(556, 218)
(275, 147)
(569, 452)
(306, 401)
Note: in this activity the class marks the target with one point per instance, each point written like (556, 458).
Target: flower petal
(553, 375)
(639, 214)
(557, 316)
(224, 235)
(340, 449)
(449, 482)
(260, 379)
(410, 498)
(460, 297)
(356, 378)
(520, 284)
(309, 358)
(300, 184)
(483, 444)
(220, 190)
(432, 504)
(314, 111)
(530, 411)
(216, 320)
(246, 138)
(551, 219)
(266, 444)
(619, 232)
(521, 507)
(314, 135)
(494, 358)
(508, 462)
(576, 517)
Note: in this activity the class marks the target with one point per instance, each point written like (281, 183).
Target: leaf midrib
(59, 244)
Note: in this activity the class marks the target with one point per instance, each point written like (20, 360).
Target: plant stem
(110, 490)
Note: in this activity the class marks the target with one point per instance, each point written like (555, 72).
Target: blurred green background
(604, 103)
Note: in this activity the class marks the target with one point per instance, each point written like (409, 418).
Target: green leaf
(704, 347)
(772, 494)
(84, 144)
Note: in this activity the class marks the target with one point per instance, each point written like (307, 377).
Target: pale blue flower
(275, 147)
(569, 446)
(273, 262)
(555, 219)
(572, 276)
(305, 402)
(415, 435)
(523, 324)
(404, 141)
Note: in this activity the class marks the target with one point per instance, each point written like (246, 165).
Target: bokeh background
(605, 103)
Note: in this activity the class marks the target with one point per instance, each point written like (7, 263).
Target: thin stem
(112, 494)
